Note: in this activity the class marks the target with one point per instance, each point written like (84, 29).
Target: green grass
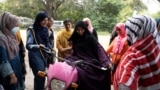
(103, 33)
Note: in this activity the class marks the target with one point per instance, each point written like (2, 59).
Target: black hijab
(75, 37)
(85, 42)
(40, 31)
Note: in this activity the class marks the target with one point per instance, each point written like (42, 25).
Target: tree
(1, 6)
(156, 15)
(51, 6)
(129, 8)
(136, 5)
(31, 7)
(21, 8)
(71, 9)
(104, 14)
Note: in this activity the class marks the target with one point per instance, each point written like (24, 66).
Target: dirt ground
(29, 77)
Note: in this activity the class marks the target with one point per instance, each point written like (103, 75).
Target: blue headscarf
(41, 32)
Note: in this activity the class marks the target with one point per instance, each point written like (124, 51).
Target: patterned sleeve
(5, 67)
(127, 72)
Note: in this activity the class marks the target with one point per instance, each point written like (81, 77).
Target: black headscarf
(75, 36)
(40, 31)
(86, 42)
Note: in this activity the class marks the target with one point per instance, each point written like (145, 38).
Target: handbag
(50, 55)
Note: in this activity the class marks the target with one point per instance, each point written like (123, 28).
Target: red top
(140, 66)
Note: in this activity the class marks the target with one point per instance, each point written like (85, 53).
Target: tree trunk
(51, 6)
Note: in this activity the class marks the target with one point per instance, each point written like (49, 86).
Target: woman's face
(44, 22)
(118, 31)
(80, 31)
(50, 23)
(68, 25)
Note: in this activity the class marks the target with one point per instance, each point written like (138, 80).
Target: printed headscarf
(120, 40)
(140, 26)
(89, 24)
(8, 39)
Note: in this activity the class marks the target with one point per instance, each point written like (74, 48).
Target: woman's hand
(66, 49)
(69, 48)
(41, 46)
(109, 66)
(13, 78)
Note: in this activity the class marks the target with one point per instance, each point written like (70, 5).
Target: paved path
(29, 77)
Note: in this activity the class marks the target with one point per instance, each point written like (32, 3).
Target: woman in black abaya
(88, 49)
